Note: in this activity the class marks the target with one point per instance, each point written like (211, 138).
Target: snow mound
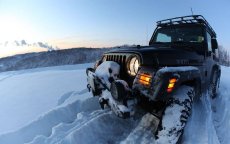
(66, 113)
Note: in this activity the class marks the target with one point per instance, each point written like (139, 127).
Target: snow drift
(72, 115)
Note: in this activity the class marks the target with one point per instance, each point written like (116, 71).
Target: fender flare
(188, 75)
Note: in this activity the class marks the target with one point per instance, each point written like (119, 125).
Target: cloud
(17, 43)
(22, 43)
(9, 48)
(45, 45)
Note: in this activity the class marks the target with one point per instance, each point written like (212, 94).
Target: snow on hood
(177, 69)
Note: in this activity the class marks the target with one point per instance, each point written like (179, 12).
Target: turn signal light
(171, 84)
(145, 79)
(172, 80)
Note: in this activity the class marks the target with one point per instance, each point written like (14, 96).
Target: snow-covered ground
(52, 105)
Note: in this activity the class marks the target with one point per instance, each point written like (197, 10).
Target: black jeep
(178, 66)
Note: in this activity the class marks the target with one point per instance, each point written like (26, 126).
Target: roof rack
(191, 19)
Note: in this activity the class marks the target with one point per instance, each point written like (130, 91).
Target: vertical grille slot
(120, 59)
(117, 58)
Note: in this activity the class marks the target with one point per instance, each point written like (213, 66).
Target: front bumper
(122, 108)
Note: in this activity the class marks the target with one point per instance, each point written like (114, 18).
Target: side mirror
(214, 44)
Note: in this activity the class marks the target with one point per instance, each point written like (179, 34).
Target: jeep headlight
(133, 65)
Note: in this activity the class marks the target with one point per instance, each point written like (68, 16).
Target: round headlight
(133, 66)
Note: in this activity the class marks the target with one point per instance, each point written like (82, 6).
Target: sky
(101, 23)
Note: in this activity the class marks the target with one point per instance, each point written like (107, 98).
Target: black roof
(191, 19)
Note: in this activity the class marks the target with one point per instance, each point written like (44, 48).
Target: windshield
(179, 34)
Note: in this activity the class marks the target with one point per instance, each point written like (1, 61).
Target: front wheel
(175, 116)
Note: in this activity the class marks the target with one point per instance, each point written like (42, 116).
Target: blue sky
(102, 23)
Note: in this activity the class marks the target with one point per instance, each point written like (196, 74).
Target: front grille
(120, 59)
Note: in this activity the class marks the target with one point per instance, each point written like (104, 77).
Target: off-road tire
(175, 116)
(214, 84)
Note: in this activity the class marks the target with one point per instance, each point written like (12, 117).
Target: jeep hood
(163, 56)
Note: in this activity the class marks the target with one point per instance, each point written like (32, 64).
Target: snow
(52, 105)
(107, 70)
(25, 95)
(176, 69)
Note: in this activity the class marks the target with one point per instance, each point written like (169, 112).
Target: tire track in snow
(200, 127)
(67, 95)
(105, 129)
(60, 131)
(81, 119)
(221, 115)
(212, 133)
(68, 120)
(44, 124)
(96, 123)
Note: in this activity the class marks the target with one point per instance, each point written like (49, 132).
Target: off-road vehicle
(178, 66)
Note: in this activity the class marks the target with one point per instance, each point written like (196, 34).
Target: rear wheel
(214, 84)
(175, 116)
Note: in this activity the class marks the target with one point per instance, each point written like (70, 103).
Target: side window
(209, 41)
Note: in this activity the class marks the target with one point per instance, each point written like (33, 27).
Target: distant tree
(224, 58)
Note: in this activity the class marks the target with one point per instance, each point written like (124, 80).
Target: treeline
(224, 58)
(51, 58)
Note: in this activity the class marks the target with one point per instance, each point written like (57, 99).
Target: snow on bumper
(99, 82)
